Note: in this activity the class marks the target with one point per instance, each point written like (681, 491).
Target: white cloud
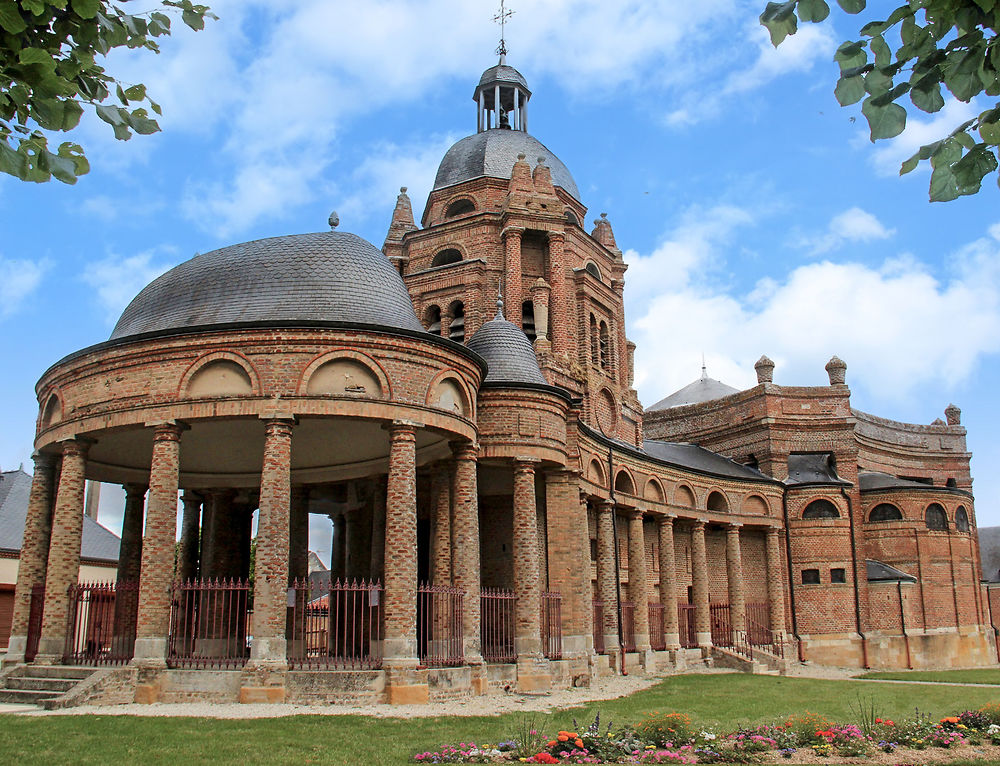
(118, 279)
(853, 225)
(897, 326)
(19, 278)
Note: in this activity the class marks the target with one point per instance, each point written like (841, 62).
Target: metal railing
(102, 621)
(497, 623)
(722, 626)
(599, 647)
(439, 625)
(686, 627)
(335, 624)
(760, 634)
(628, 625)
(657, 638)
(552, 625)
(209, 621)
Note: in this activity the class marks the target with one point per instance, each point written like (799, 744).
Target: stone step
(24, 696)
(55, 671)
(42, 684)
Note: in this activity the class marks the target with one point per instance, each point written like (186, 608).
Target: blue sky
(755, 215)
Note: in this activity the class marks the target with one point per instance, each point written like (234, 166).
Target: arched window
(821, 509)
(571, 217)
(717, 502)
(935, 518)
(962, 519)
(456, 327)
(432, 319)
(885, 512)
(950, 483)
(605, 344)
(595, 358)
(593, 270)
(623, 483)
(528, 320)
(447, 256)
(460, 207)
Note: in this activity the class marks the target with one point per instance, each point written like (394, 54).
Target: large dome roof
(493, 153)
(324, 277)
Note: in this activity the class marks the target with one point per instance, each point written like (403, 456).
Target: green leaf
(962, 77)
(989, 131)
(891, 95)
(852, 6)
(926, 92)
(969, 170)
(194, 20)
(86, 9)
(851, 54)
(813, 10)
(110, 114)
(849, 90)
(35, 56)
(10, 18)
(141, 124)
(876, 83)
(12, 162)
(879, 47)
(779, 18)
(136, 92)
(944, 187)
(966, 141)
(72, 111)
(909, 165)
(48, 113)
(885, 121)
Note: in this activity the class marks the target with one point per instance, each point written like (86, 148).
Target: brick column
(378, 528)
(64, 550)
(734, 573)
(270, 601)
(441, 534)
(34, 552)
(619, 354)
(527, 608)
(775, 582)
(187, 555)
(638, 588)
(158, 549)
(559, 302)
(699, 585)
(401, 548)
(465, 574)
(668, 582)
(568, 543)
(606, 589)
(298, 534)
(338, 547)
(512, 274)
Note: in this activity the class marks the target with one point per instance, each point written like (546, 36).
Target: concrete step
(58, 685)
(56, 671)
(25, 696)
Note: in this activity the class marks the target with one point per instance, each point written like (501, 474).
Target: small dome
(329, 276)
(705, 389)
(502, 73)
(508, 353)
(492, 153)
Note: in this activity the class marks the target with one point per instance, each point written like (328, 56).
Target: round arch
(821, 509)
(355, 361)
(220, 373)
(717, 502)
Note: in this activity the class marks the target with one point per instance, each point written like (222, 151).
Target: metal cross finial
(501, 19)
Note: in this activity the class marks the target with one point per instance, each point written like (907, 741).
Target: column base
(399, 652)
(50, 651)
(16, 646)
(406, 686)
(269, 651)
(263, 681)
(533, 674)
(150, 653)
(704, 640)
(479, 678)
(672, 641)
(149, 685)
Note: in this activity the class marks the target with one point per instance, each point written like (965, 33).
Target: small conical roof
(507, 351)
(705, 389)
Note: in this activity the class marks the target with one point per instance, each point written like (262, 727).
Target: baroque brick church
(504, 510)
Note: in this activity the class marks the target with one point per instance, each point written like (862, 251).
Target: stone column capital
(169, 431)
(512, 232)
(699, 524)
(134, 490)
(463, 450)
(278, 426)
(635, 513)
(734, 527)
(43, 461)
(606, 506)
(78, 446)
(525, 464)
(403, 430)
(556, 236)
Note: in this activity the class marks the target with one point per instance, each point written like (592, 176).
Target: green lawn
(986, 676)
(724, 700)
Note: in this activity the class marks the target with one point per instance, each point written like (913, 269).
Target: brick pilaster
(569, 560)
(734, 574)
(775, 582)
(527, 607)
(187, 555)
(638, 587)
(606, 589)
(699, 585)
(668, 582)
(560, 330)
(378, 528)
(34, 551)
(512, 274)
(441, 533)
(401, 548)
(298, 534)
(465, 574)
(158, 547)
(64, 550)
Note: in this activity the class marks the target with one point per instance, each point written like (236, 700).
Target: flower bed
(672, 737)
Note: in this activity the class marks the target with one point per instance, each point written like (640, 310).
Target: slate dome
(327, 276)
(492, 153)
(508, 353)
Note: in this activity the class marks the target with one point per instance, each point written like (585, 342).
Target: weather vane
(501, 19)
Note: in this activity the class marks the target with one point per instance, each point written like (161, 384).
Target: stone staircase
(40, 684)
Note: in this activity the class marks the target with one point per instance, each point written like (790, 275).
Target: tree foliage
(49, 74)
(919, 47)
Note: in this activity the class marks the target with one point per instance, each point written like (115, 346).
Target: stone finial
(836, 368)
(765, 370)
(937, 422)
(542, 179)
(402, 218)
(953, 415)
(333, 220)
(602, 232)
